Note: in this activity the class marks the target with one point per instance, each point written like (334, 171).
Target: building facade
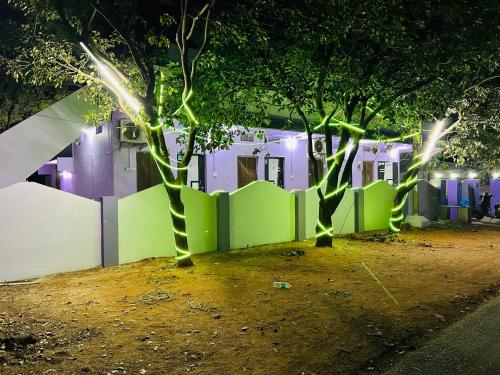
(113, 159)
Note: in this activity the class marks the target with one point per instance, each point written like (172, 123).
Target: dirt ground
(223, 316)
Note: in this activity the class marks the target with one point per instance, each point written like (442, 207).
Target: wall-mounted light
(66, 174)
(438, 175)
(472, 174)
(495, 175)
(454, 175)
(291, 143)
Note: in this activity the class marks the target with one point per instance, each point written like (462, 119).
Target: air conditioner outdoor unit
(247, 137)
(130, 132)
(319, 146)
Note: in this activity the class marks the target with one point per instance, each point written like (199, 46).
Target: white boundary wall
(45, 231)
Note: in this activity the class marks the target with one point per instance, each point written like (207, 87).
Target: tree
(120, 48)
(474, 141)
(341, 65)
(19, 100)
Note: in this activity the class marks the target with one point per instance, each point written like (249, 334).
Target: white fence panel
(45, 231)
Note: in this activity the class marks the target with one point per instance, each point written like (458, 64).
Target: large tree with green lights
(151, 58)
(474, 141)
(342, 67)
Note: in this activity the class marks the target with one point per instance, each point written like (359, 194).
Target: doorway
(274, 171)
(388, 171)
(319, 162)
(247, 170)
(196, 172)
(367, 172)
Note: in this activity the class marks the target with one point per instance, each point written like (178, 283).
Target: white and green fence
(47, 231)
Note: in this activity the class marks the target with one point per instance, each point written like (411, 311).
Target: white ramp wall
(31, 143)
(45, 231)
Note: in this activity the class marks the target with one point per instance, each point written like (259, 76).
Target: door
(247, 170)
(196, 172)
(405, 161)
(367, 172)
(274, 171)
(319, 162)
(386, 170)
(147, 171)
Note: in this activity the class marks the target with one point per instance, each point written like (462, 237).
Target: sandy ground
(223, 316)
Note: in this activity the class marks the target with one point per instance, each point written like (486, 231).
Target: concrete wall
(46, 231)
(261, 213)
(31, 143)
(145, 225)
(453, 196)
(428, 200)
(471, 183)
(92, 175)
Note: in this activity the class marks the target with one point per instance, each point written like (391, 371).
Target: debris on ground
(376, 237)
(281, 285)
(293, 253)
(155, 297)
(453, 225)
(339, 293)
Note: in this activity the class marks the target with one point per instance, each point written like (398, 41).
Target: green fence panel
(261, 213)
(201, 220)
(378, 199)
(145, 225)
(342, 219)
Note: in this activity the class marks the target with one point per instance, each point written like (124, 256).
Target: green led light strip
(416, 165)
(188, 109)
(177, 214)
(160, 101)
(407, 183)
(185, 254)
(395, 139)
(400, 206)
(336, 191)
(370, 184)
(330, 169)
(323, 122)
(163, 162)
(338, 153)
(393, 228)
(378, 114)
(326, 231)
(397, 218)
(180, 233)
(352, 127)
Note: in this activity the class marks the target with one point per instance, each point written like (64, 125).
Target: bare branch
(480, 83)
(195, 19)
(203, 45)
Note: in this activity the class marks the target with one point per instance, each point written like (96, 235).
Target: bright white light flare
(432, 141)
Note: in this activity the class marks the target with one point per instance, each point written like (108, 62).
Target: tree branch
(203, 45)
(195, 19)
(392, 98)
